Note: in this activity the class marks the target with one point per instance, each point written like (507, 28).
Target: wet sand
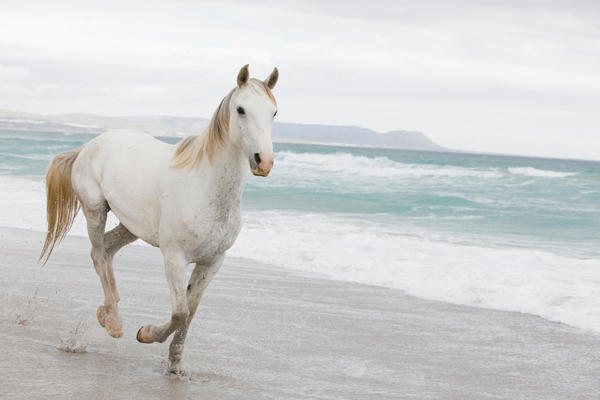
(266, 332)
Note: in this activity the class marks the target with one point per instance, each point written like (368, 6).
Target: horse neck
(228, 174)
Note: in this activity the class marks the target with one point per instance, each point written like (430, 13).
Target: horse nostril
(257, 158)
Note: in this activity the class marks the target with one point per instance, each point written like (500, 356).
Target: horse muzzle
(261, 164)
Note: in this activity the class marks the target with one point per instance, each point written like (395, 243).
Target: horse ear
(243, 76)
(271, 81)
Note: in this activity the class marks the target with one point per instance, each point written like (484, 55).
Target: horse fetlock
(179, 318)
(175, 351)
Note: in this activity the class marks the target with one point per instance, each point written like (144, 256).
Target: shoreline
(416, 262)
(284, 140)
(267, 332)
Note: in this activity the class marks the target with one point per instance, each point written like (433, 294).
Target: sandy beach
(266, 332)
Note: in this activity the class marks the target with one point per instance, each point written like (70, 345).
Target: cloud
(493, 71)
(10, 73)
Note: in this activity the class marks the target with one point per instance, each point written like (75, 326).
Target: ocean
(509, 233)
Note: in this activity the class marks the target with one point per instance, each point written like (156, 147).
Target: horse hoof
(140, 337)
(117, 334)
(178, 372)
(115, 331)
(101, 314)
(111, 321)
(176, 368)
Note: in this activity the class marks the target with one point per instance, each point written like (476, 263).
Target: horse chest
(207, 237)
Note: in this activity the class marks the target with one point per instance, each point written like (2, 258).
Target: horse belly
(129, 179)
(135, 203)
(138, 223)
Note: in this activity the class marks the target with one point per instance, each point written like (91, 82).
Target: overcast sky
(509, 77)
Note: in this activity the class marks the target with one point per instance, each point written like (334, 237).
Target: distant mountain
(353, 135)
(94, 124)
(180, 126)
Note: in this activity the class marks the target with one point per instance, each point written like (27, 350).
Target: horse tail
(62, 205)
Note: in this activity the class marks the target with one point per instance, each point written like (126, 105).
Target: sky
(514, 77)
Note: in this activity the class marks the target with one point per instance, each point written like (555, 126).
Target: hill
(181, 126)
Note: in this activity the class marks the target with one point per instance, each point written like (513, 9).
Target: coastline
(263, 331)
(286, 140)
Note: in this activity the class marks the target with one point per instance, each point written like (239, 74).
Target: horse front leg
(175, 265)
(201, 276)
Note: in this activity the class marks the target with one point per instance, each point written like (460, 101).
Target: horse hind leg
(113, 242)
(108, 314)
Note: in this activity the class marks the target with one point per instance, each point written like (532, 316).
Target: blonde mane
(190, 150)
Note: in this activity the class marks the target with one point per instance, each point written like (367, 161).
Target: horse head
(252, 109)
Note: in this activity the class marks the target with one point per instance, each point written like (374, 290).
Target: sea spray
(74, 341)
(28, 313)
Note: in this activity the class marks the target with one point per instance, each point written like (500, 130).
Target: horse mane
(190, 150)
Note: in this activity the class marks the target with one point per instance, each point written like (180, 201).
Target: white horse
(183, 198)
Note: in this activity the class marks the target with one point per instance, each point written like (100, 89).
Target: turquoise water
(509, 233)
(467, 198)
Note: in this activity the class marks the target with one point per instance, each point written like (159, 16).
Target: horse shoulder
(200, 227)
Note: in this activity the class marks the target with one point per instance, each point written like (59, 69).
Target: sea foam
(530, 171)
(416, 261)
(427, 265)
(346, 164)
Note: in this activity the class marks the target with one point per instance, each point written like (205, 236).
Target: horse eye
(275, 114)
(241, 111)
